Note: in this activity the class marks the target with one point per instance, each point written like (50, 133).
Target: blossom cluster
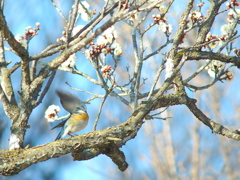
(84, 11)
(232, 4)
(226, 29)
(71, 61)
(216, 67)
(106, 70)
(106, 44)
(51, 114)
(236, 51)
(28, 35)
(162, 22)
(196, 16)
(229, 75)
(215, 40)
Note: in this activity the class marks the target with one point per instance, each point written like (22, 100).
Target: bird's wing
(70, 102)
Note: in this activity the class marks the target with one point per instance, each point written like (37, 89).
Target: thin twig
(156, 79)
(203, 87)
(101, 106)
(137, 71)
(94, 95)
(157, 50)
(72, 20)
(59, 11)
(197, 72)
(45, 90)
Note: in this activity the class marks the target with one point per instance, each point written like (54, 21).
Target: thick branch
(199, 55)
(13, 161)
(6, 90)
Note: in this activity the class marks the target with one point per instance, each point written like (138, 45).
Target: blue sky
(21, 14)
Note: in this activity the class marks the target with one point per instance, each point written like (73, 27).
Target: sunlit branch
(59, 11)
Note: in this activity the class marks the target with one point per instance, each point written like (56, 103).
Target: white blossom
(109, 38)
(63, 39)
(211, 73)
(88, 54)
(235, 13)
(214, 68)
(38, 24)
(226, 28)
(102, 40)
(51, 113)
(104, 51)
(195, 15)
(162, 27)
(163, 9)
(86, 16)
(118, 51)
(111, 30)
(110, 34)
(83, 7)
(170, 28)
(165, 27)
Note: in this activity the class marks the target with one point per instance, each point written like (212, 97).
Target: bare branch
(59, 11)
(101, 106)
(16, 46)
(215, 127)
(45, 90)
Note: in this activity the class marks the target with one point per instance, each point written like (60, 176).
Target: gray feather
(70, 102)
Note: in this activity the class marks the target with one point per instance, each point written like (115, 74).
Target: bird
(78, 119)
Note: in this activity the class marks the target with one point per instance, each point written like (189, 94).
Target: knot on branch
(117, 156)
(111, 151)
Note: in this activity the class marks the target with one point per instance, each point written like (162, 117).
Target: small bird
(78, 119)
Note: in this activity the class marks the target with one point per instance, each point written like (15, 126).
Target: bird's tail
(60, 134)
(61, 124)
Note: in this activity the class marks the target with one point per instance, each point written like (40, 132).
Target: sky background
(139, 152)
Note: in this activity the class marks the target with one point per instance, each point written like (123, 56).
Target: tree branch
(16, 46)
(215, 127)
(13, 161)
